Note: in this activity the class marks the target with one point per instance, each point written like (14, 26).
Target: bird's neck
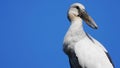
(76, 29)
(74, 34)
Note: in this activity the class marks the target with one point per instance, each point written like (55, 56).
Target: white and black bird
(82, 49)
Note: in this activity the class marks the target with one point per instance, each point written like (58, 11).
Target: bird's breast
(71, 38)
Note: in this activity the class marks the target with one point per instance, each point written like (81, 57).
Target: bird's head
(77, 11)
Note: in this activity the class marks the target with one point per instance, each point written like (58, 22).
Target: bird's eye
(77, 7)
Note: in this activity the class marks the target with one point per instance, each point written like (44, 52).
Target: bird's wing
(110, 59)
(90, 53)
(96, 42)
(102, 47)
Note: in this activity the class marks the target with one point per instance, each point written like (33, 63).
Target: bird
(82, 49)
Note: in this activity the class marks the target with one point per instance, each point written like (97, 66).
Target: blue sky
(32, 31)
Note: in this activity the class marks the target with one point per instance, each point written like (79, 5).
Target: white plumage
(83, 50)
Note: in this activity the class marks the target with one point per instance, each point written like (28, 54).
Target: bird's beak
(88, 20)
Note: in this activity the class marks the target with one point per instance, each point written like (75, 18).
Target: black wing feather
(109, 58)
(74, 61)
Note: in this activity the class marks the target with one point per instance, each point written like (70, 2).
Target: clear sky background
(32, 31)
